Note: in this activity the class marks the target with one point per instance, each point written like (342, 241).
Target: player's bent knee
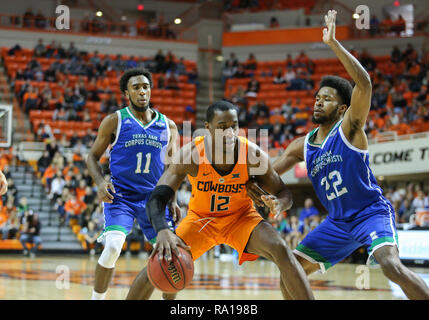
(112, 250)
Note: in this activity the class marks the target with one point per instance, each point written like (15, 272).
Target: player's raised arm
(170, 181)
(355, 117)
(279, 198)
(104, 137)
(293, 154)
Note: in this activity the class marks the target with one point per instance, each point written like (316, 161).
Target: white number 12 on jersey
(335, 184)
(139, 162)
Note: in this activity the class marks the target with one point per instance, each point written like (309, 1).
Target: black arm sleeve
(155, 207)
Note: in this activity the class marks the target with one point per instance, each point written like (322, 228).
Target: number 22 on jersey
(139, 162)
(336, 180)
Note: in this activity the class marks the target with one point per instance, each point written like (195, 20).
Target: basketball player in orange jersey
(220, 210)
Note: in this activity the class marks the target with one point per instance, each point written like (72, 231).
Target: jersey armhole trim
(118, 129)
(348, 144)
(305, 147)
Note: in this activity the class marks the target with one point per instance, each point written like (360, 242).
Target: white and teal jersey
(138, 154)
(340, 174)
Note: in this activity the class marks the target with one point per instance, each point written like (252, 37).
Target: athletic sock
(98, 296)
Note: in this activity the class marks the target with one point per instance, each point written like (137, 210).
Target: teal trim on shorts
(314, 255)
(113, 228)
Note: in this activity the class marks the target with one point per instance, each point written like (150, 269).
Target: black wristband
(155, 207)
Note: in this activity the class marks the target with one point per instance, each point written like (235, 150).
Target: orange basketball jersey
(216, 194)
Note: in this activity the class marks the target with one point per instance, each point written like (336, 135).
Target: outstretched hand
(329, 31)
(272, 202)
(103, 191)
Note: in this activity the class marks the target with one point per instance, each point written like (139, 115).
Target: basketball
(173, 276)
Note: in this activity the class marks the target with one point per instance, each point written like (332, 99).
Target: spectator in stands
(183, 196)
(395, 55)
(193, 77)
(387, 25)
(22, 206)
(251, 63)
(172, 80)
(141, 26)
(91, 233)
(290, 74)
(399, 25)
(228, 71)
(30, 99)
(405, 211)
(31, 234)
(253, 87)
(302, 60)
(39, 49)
(98, 216)
(367, 60)
(279, 78)
(294, 236)
(274, 23)
(240, 72)
(57, 186)
(409, 54)
(73, 207)
(420, 201)
(308, 211)
(40, 20)
(374, 25)
(160, 62)
(28, 19)
(72, 51)
(297, 83)
(180, 67)
(59, 207)
(136, 235)
(232, 60)
(262, 110)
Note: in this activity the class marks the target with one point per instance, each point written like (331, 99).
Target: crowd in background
(399, 97)
(92, 83)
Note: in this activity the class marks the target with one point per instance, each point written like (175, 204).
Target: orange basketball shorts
(202, 232)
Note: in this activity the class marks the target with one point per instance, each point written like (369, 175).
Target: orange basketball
(173, 276)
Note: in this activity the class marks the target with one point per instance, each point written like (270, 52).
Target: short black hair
(123, 82)
(343, 86)
(221, 105)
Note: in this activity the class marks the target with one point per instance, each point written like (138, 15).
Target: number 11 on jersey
(139, 162)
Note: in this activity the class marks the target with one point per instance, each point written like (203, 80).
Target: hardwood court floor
(43, 278)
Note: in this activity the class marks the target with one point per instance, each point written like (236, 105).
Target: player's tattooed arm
(104, 137)
(356, 115)
(277, 196)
